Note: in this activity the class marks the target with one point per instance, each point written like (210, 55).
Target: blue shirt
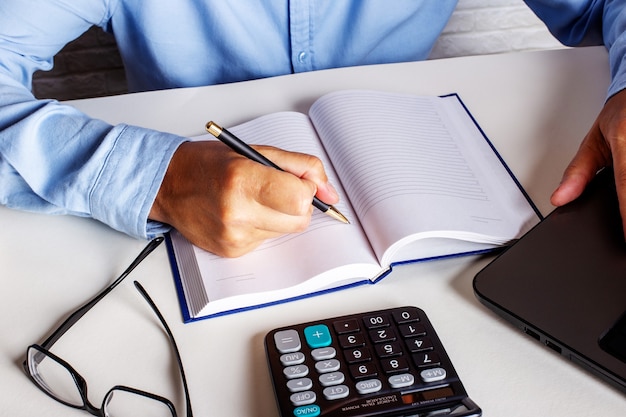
(54, 159)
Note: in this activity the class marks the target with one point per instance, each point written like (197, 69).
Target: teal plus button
(317, 336)
(312, 410)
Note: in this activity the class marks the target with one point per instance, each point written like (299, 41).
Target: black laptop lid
(564, 282)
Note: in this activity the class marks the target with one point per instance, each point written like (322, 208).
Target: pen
(242, 148)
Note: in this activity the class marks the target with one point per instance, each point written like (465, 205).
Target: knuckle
(303, 224)
(235, 243)
(315, 163)
(236, 176)
(300, 204)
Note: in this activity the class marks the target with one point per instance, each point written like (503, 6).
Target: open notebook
(418, 180)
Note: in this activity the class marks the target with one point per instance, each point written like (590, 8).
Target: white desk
(535, 107)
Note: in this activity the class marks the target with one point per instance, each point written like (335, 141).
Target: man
(54, 159)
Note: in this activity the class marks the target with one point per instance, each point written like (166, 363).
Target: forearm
(54, 159)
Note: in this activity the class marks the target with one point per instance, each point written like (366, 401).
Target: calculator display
(381, 363)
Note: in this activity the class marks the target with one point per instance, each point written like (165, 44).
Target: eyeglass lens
(54, 378)
(123, 403)
(58, 381)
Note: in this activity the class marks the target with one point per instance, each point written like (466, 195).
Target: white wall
(492, 26)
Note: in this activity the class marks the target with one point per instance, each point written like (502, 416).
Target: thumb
(592, 155)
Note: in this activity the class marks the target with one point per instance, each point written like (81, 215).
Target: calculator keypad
(365, 364)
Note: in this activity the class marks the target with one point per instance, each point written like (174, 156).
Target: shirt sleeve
(589, 22)
(55, 159)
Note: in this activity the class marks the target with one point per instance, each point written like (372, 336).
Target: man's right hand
(228, 204)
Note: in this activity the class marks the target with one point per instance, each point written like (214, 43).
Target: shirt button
(302, 56)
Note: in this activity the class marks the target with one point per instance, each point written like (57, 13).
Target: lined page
(417, 166)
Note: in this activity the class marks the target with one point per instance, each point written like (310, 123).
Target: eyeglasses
(58, 379)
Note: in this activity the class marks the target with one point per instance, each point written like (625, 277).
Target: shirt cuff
(130, 179)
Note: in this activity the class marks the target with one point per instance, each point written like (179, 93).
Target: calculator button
(357, 355)
(287, 341)
(289, 359)
(365, 370)
(376, 321)
(419, 345)
(335, 393)
(297, 371)
(382, 335)
(394, 365)
(346, 326)
(369, 386)
(307, 411)
(412, 330)
(321, 354)
(333, 378)
(303, 398)
(388, 349)
(325, 367)
(405, 315)
(426, 359)
(401, 381)
(352, 340)
(300, 384)
(433, 375)
(317, 336)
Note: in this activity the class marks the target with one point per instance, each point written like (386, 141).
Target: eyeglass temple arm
(152, 304)
(81, 311)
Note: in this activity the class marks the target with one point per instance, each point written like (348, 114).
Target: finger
(592, 155)
(262, 203)
(236, 234)
(304, 166)
(262, 224)
(267, 200)
(281, 191)
(272, 223)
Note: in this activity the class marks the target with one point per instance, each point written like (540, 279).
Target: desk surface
(535, 107)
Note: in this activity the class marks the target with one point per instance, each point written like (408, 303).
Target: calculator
(379, 363)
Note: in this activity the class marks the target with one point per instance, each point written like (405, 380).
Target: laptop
(564, 282)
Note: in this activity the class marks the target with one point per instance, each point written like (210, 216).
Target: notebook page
(417, 166)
